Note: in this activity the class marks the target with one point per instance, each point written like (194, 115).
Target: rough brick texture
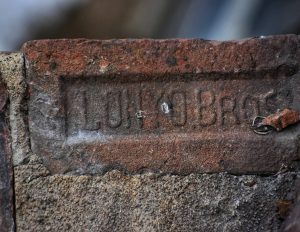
(172, 106)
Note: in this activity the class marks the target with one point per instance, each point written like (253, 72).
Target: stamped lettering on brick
(141, 114)
(198, 106)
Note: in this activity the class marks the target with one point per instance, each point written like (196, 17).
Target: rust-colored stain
(283, 207)
(173, 106)
(6, 173)
(281, 119)
(292, 222)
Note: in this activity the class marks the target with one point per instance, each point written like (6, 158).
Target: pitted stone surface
(292, 223)
(7, 223)
(13, 75)
(149, 202)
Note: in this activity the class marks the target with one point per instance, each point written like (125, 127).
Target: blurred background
(22, 20)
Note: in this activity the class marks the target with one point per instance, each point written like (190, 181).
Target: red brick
(176, 106)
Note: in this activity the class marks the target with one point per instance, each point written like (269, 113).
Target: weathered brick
(175, 106)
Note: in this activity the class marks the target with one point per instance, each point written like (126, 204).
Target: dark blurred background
(22, 20)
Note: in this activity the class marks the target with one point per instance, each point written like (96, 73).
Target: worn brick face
(173, 106)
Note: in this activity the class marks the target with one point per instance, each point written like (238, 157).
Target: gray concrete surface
(149, 202)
